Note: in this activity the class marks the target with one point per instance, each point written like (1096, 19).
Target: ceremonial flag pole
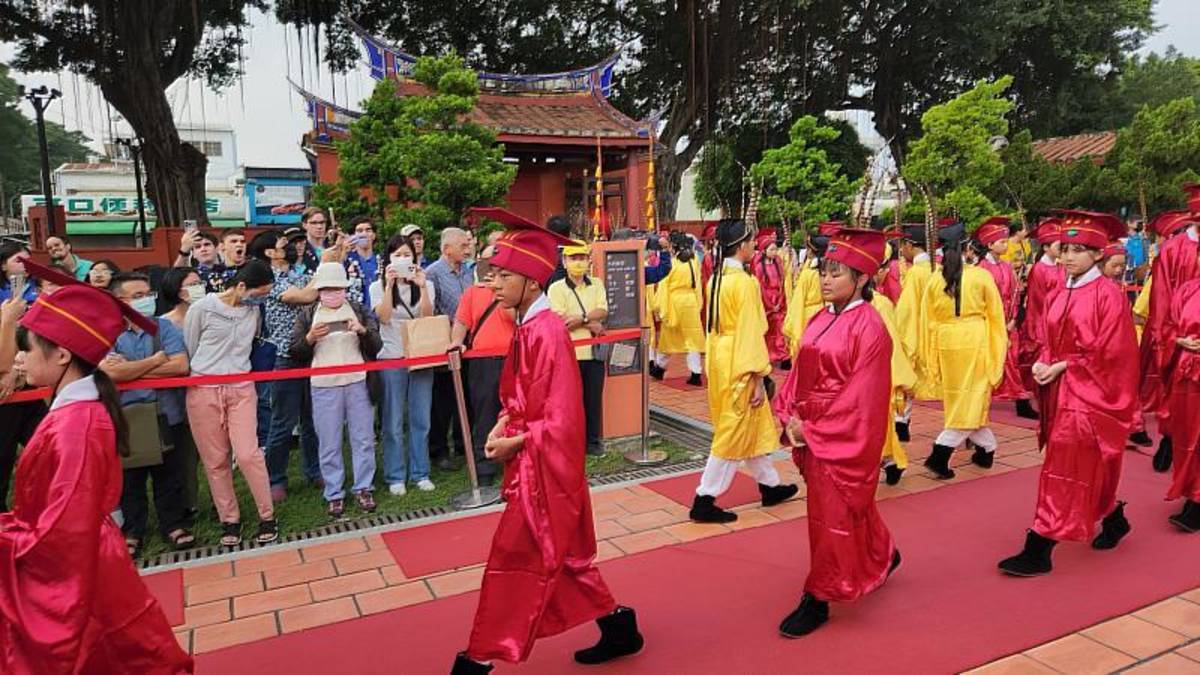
(598, 212)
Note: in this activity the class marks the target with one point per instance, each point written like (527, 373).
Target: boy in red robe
(1043, 282)
(1182, 328)
(540, 578)
(70, 598)
(767, 269)
(1089, 400)
(830, 407)
(1174, 266)
(993, 234)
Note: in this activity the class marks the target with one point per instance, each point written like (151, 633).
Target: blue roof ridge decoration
(326, 116)
(385, 58)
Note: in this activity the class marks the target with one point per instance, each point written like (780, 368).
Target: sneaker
(426, 485)
(398, 489)
(336, 508)
(366, 501)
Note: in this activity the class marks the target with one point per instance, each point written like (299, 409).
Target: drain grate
(677, 428)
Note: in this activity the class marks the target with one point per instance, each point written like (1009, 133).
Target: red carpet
(442, 546)
(682, 490)
(712, 606)
(681, 384)
(1001, 412)
(167, 587)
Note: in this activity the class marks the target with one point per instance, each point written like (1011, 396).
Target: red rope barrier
(294, 373)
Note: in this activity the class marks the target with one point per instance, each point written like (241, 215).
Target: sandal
(268, 532)
(231, 534)
(181, 539)
(134, 546)
(366, 501)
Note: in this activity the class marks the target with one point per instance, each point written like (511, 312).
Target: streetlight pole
(135, 151)
(40, 98)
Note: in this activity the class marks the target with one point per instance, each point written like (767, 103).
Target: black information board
(621, 270)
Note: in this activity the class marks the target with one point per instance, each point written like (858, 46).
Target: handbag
(426, 336)
(146, 441)
(262, 351)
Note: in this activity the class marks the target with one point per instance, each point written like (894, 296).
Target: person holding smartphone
(362, 263)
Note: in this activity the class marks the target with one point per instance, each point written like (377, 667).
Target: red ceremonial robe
(1011, 387)
(541, 578)
(769, 272)
(1184, 321)
(890, 287)
(1088, 410)
(1044, 280)
(839, 386)
(1174, 266)
(70, 598)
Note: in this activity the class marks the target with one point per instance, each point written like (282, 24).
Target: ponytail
(112, 403)
(952, 270)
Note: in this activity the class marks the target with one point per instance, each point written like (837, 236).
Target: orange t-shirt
(497, 331)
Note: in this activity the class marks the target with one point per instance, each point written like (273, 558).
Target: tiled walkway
(259, 595)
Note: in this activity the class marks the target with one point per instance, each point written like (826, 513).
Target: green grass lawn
(304, 508)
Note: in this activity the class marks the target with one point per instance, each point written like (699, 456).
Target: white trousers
(693, 361)
(718, 474)
(983, 437)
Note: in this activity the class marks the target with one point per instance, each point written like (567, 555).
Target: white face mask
(194, 292)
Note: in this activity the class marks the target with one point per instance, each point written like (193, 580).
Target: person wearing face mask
(833, 408)
(583, 305)
(1089, 397)
(137, 355)
(219, 332)
(337, 331)
(180, 288)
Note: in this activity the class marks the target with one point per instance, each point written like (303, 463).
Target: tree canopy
(801, 185)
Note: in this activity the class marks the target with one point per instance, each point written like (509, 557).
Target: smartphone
(338, 326)
(357, 239)
(189, 225)
(403, 266)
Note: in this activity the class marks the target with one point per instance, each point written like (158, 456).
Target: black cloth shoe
(656, 372)
(892, 474)
(1025, 409)
(694, 380)
(806, 618)
(939, 462)
(785, 364)
(895, 561)
(705, 510)
(1033, 560)
(902, 432)
(1188, 519)
(619, 637)
(982, 458)
(1141, 439)
(1112, 529)
(1162, 458)
(776, 494)
(465, 666)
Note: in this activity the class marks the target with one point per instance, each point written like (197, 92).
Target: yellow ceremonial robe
(678, 300)
(910, 322)
(737, 350)
(803, 304)
(903, 380)
(966, 351)
(1141, 307)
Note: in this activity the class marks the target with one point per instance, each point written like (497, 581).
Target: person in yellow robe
(895, 459)
(910, 317)
(804, 300)
(678, 299)
(737, 363)
(963, 343)
(1141, 308)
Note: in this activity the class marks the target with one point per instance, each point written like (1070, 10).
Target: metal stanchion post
(645, 456)
(477, 496)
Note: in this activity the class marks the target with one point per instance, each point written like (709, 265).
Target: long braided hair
(731, 232)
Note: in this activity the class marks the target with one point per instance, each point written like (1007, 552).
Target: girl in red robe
(1182, 328)
(830, 406)
(993, 234)
(70, 598)
(541, 578)
(770, 274)
(1089, 399)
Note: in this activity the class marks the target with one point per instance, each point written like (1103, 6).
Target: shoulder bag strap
(470, 339)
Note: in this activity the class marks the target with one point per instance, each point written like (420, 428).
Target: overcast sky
(269, 118)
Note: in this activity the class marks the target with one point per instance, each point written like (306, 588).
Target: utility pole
(40, 98)
(135, 151)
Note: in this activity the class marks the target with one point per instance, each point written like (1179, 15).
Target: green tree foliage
(1029, 183)
(419, 158)
(718, 184)
(1155, 154)
(954, 156)
(20, 172)
(801, 184)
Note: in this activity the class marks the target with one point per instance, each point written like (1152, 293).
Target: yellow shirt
(565, 300)
(1141, 307)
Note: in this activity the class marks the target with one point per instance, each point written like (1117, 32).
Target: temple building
(552, 126)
